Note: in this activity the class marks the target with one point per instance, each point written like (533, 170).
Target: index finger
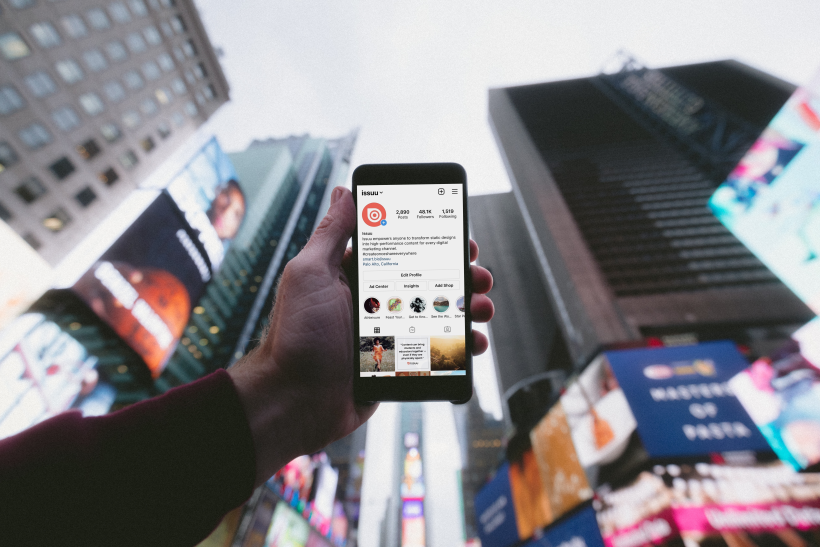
(473, 250)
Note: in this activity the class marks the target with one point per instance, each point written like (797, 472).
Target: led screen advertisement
(43, 372)
(781, 393)
(206, 190)
(494, 510)
(579, 529)
(144, 285)
(771, 200)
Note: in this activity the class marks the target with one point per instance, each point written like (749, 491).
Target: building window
(109, 176)
(57, 220)
(97, 19)
(178, 86)
(45, 35)
(149, 107)
(114, 91)
(74, 26)
(131, 119)
(116, 51)
(89, 149)
(200, 98)
(62, 168)
(20, 4)
(85, 196)
(179, 54)
(163, 95)
(69, 71)
(95, 60)
(165, 62)
(40, 84)
(132, 80)
(5, 214)
(91, 103)
(151, 70)
(135, 43)
(110, 132)
(178, 119)
(8, 156)
(178, 24)
(30, 189)
(33, 241)
(189, 49)
(13, 47)
(119, 12)
(152, 35)
(190, 108)
(167, 3)
(138, 7)
(189, 76)
(154, 5)
(209, 92)
(166, 29)
(65, 118)
(128, 159)
(199, 71)
(164, 130)
(35, 136)
(147, 144)
(10, 100)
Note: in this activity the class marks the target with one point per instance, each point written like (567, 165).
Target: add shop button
(445, 285)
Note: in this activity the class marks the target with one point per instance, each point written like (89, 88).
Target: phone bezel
(456, 389)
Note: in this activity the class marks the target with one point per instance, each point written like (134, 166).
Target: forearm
(161, 472)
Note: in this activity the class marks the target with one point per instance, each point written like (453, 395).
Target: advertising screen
(287, 529)
(682, 401)
(144, 284)
(771, 200)
(411, 275)
(206, 190)
(579, 529)
(43, 372)
(495, 511)
(782, 395)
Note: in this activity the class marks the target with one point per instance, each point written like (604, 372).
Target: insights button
(378, 286)
(412, 285)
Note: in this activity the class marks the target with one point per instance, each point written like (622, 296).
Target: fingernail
(337, 192)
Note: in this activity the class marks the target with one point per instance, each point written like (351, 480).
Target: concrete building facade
(94, 96)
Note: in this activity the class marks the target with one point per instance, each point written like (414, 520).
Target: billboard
(43, 372)
(495, 513)
(208, 194)
(143, 286)
(771, 200)
(782, 395)
(287, 529)
(682, 401)
(579, 529)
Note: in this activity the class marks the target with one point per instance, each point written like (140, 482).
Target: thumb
(330, 239)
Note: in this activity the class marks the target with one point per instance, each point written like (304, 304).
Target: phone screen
(411, 268)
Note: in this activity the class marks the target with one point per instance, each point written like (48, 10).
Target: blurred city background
(644, 189)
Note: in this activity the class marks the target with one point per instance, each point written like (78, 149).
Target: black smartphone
(412, 323)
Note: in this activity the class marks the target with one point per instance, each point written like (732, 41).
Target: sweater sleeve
(160, 472)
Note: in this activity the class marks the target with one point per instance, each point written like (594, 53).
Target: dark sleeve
(160, 472)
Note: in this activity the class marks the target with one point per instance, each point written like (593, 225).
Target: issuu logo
(374, 215)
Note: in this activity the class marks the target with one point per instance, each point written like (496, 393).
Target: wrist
(270, 412)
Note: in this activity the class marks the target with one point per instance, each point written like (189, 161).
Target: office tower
(612, 175)
(287, 184)
(94, 96)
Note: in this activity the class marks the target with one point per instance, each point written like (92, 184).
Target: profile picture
(371, 305)
(227, 210)
(394, 304)
(441, 303)
(460, 304)
(418, 304)
(377, 354)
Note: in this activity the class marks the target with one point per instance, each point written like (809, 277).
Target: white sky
(414, 75)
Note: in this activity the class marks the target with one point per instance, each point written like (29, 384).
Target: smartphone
(412, 323)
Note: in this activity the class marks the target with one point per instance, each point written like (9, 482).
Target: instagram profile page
(411, 280)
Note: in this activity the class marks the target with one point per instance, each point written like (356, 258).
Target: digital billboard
(771, 200)
(43, 372)
(287, 528)
(578, 529)
(781, 393)
(495, 513)
(207, 192)
(143, 286)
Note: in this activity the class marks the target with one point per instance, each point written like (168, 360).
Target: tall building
(94, 96)
(612, 175)
(287, 184)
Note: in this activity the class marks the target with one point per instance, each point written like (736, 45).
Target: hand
(297, 385)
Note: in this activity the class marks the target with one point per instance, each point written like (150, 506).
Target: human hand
(297, 385)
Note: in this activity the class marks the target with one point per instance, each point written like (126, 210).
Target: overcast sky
(414, 75)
